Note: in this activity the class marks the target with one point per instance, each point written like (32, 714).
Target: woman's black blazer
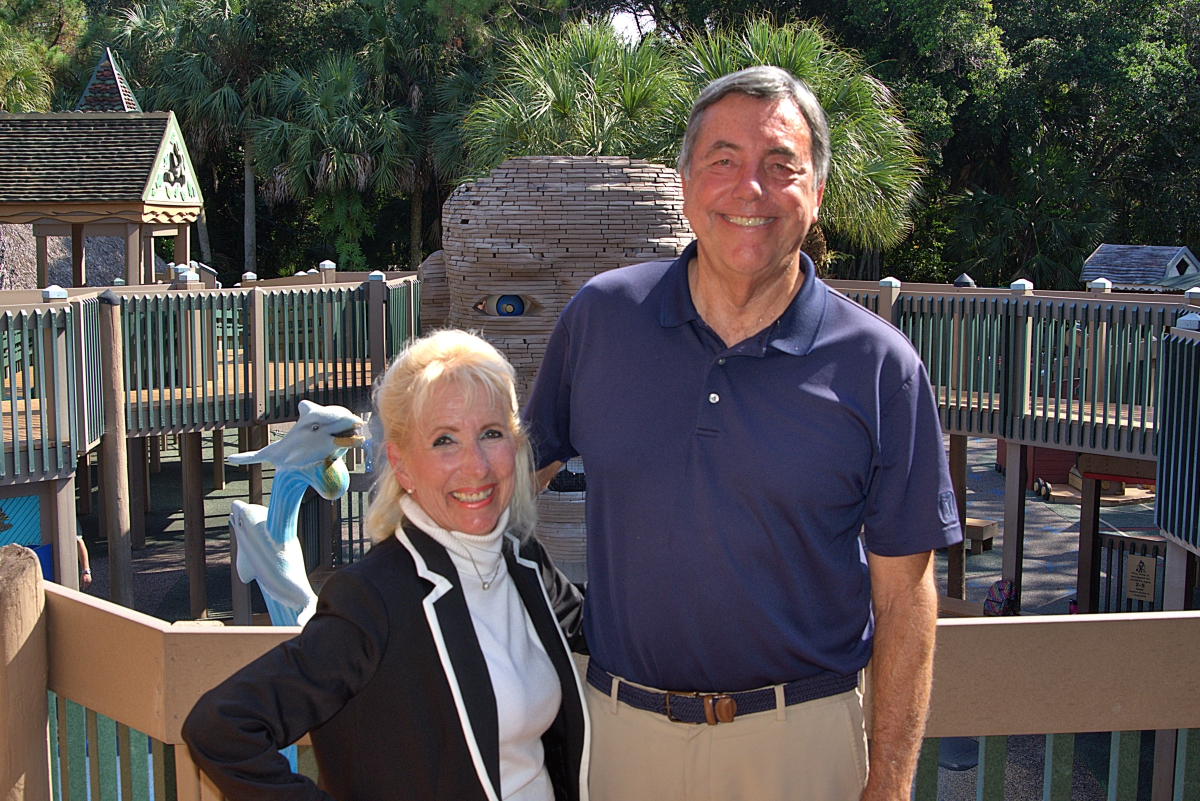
(390, 679)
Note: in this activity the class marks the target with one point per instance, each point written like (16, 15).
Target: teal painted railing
(90, 407)
(185, 359)
(317, 344)
(94, 757)
(404, 315)
(37, 392)
(1177, 503)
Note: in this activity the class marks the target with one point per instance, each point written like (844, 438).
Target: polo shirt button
(713, 398)
(720, 361)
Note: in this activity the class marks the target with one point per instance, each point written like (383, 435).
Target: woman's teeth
(473, 497)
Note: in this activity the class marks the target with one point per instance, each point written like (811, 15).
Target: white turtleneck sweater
(526, 687)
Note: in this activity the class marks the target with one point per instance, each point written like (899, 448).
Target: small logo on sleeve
(947, 508)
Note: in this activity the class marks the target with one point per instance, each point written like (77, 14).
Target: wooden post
(191, 456)
(24, 674)
(889, 293)
(256, 337)
(376, 322)
(114, 480)
(218, 446)
(258, 440)
(137, 492)
(83, 469)
(956, 555)
(243, 445)
(146, 474)
(240, 590)
(148, 259)
(43, 263)
(1087, 578)
(133, 254)
(57, 511)
(1177, 591)
(325, 525)
(183, 244)
(156, 445)
(1016, 475)
(78, 263)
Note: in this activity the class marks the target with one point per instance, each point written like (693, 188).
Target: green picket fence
(37, 392)
(93, 756)
(1068, 372)
(185, 360)
(1177, 502)
(1124, 767)
(404, 315)
(317, 347)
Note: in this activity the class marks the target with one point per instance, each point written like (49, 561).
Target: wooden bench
(980, 533)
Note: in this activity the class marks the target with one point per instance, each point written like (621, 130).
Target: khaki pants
(816, 751)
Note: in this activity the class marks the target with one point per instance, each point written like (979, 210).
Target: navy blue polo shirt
(727, 486)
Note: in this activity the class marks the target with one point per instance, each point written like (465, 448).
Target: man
(741, 424)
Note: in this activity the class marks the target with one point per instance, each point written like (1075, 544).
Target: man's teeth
(473, 497)
(748, 221)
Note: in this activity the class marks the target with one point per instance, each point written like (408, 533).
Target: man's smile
(747, 222)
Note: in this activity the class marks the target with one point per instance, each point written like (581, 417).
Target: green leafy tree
(25, 80)
(1050, 220)
(202, 60)
(325, 139)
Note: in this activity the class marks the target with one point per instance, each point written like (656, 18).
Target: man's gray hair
(766, 83)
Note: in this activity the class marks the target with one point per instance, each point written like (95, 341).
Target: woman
(435, 667)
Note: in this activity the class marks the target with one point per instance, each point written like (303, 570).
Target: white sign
(1139, 578)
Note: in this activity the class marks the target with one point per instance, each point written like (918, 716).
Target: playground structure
(1115, 377)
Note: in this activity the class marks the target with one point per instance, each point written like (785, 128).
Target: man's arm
(904, 597)
(542, 480)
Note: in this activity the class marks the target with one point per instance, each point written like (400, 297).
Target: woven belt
(715, 708)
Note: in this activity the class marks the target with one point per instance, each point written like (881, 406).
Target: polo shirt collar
(793, 333)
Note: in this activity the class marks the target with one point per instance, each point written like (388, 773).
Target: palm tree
(1041, 228)
(200, 59)
(324, 138)
(583, 92)
(587, 91)
(25, 81)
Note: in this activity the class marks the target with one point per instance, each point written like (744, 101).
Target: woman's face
(460, 460)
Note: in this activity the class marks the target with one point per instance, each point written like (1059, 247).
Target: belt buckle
(718, 707)
(670, 716)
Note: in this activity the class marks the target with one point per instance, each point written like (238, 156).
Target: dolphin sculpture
(309, 455)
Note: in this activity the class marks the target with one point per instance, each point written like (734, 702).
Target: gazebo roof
(1137, 265)
(107, 90)
(86, 168)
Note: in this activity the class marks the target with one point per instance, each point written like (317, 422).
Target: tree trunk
(415, 246)
(249, 239)
(202, 233)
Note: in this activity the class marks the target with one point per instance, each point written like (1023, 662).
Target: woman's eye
(443, 440)
(493, 433)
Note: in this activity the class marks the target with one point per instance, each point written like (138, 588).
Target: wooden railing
(135, 675)
(1072, 370)
(193, 359)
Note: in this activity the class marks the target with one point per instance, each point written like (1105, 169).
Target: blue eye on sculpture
(504, 305)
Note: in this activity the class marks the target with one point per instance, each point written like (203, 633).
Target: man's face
(749, 194)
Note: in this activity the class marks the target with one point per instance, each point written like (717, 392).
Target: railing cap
(375, 275)
(1021, 285)
(964, 281)
(327, 265)
(118, 282)
(249, 276)
(1100, 284)
(890, 282)
(1193, 293)
(1189, 322)
(54, 292)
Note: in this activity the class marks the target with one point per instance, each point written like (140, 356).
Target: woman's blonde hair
(400, 399)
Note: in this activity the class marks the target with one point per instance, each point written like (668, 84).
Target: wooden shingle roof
(134, 161)
(1137, 265)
